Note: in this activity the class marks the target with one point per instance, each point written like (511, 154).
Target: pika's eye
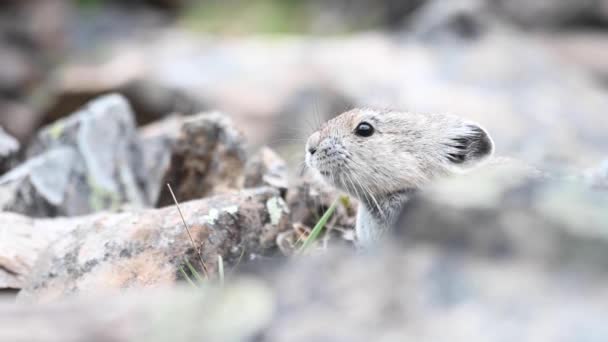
(364, 129)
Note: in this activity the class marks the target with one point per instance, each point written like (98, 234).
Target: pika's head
(366, 151)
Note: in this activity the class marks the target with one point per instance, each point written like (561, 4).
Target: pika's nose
(313, 143)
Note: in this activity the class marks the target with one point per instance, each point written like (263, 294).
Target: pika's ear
(469, 146)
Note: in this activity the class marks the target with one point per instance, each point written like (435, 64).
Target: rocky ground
(96, 249)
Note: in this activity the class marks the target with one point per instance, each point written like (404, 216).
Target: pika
(382, 157)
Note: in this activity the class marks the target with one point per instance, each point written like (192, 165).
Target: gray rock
(79, 165)
(503, 214)
(41, 185)
(157, 140)
(598, 177)
(553, 13)
(147, 248)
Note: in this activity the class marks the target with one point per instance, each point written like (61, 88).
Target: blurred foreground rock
(346, 298)
(489, 258)
(147, 248)
(503, 214)
(598, 176)
(78, 165)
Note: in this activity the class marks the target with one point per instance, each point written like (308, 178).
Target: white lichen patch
(232, 210)
(212, 217)
(214, 214)
(276, 207)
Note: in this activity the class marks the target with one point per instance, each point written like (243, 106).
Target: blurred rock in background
(9, 148)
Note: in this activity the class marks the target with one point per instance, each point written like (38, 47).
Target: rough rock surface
(533, 272)
(266, 168)
(9, 147)
(78, 165)
(22, 239)
(208, 158)
(156, 142)
(147, 248)
(345, 298)
(308, 200)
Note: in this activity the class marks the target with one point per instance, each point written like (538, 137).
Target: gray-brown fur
(405, 152)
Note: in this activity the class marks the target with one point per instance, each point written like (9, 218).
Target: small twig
(198, 252)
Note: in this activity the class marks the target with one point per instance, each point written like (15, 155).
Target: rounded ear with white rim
(469, 147)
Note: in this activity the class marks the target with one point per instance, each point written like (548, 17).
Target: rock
(41, 186)
(266, 168)
(586, 49)
(78, 165)
(346, 15)
(308, 200)
(477, 251)
(151, 100)
(505, 215)
(553, 13)
(597, 177)
(23, 239)
(463, 20)
(404, 291)
(130, 317)
(147, 248)
(157, 140)
(9, 147)
(18, 73)
(208, 158)
(19, 119)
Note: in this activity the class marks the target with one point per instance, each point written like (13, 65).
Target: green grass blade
(187, 277)
(194, 272)
(314, 234)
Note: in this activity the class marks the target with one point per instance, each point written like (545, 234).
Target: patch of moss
(55, 130)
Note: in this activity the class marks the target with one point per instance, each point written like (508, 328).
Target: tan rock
(147, 248)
